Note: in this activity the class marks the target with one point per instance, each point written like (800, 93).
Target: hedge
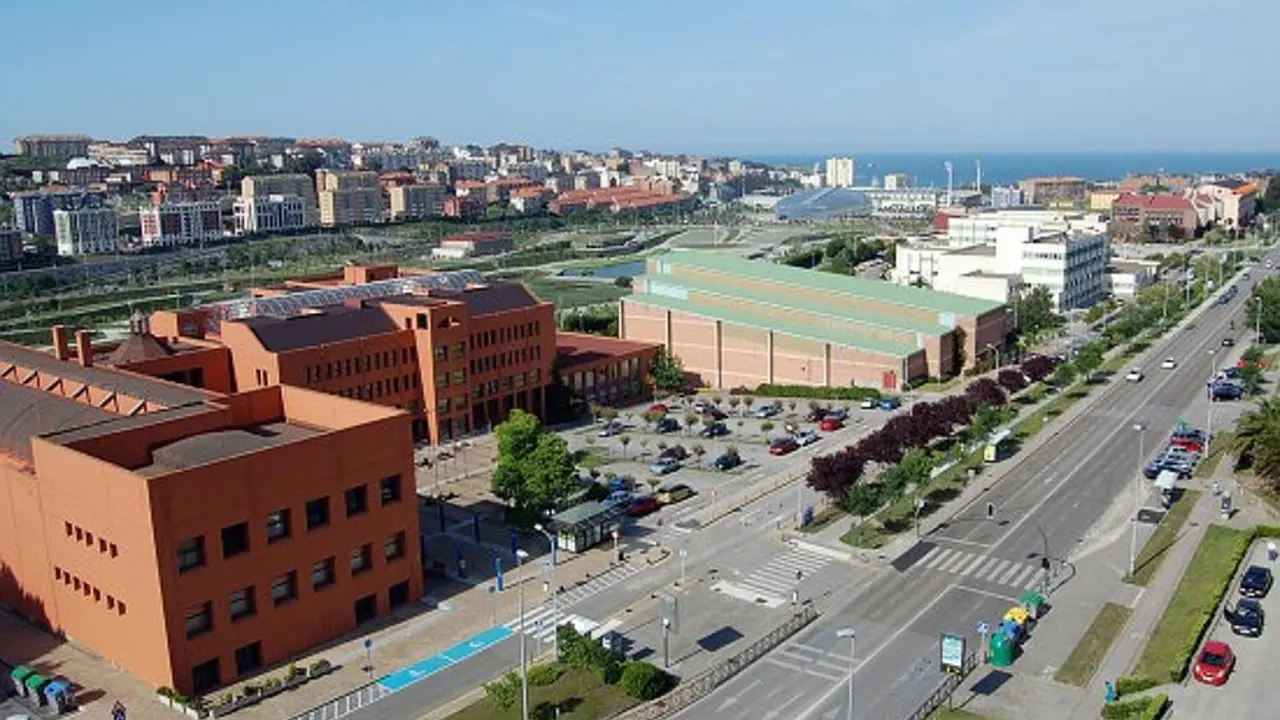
(1143, 708)
(819, 393)
(1130, 684)
(544, 674)
(643, 681)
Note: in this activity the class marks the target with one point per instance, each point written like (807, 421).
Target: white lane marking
(1008, 575)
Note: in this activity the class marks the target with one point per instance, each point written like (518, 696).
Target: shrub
(318, 667)
(544, 674)
(821, 393)
(1128, 685)
(643, 681)
(166, 692)
(503, 691)
(1144, 708)
(581, 652)
(611, 671)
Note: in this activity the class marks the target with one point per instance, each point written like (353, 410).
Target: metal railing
(687, 693)
(944, 691)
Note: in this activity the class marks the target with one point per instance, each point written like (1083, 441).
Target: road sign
(951, 653)
(368, 643)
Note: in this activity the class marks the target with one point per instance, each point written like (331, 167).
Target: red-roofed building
(605, 370)
(1168, 216)
(617, 199)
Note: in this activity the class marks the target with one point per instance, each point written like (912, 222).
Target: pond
(631, 268)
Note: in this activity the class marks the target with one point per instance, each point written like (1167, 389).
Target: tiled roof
(1154, 202)
(577, 348)
(333, 324)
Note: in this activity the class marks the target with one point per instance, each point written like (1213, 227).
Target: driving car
(643, 506)
(715, 429)
(666, 425)
(665, 466)
(806, 437)
(783, 445)
(1228, 342)
(1134, 375)
(1214, 663)
(767, 411)
(727, 461)
(674, 494)
(1168, 364)
(1256, 582)
(831, 423)
(611, 428)
(676, 452)
(1246, 618)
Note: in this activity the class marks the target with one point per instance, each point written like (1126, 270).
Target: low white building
(183, 223)
(89, 231)
(270, 213)
(908, 203)
(1126, 277)
(983, 227)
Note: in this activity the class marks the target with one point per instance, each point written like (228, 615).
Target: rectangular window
(393, 549)
(442, 405)
(442, 380)
(322, 574)
(318, 513)
(190, 553)
(284, 588)
(242, 604)
(235, 540)
(390, 487)
(459, 377)
(362, 559)
(357, 500)
(459, 351)
(441, 352)
(249, 658)
(199, 619)
(278, 525)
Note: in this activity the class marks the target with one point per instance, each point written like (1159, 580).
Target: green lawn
(573, 293)
(1089, 653)
(1194, 604)
(580, 695)
(945, 714)
(1218, 445)
(1165, 535)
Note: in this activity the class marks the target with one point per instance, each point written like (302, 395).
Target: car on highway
(1246, 618)
(727, 461)
(714, 430)
(642, 506)
(675, 452)
(1256, 581)
(1168, 364)
(868, 403)
(806, 437)
(831, 423)
(783, 445)
(890, 403)
(1214, 663)
(767, 411)
(611, 428)
(665, 466)
(666, 425)
(1134, 375)
(1228, 342)
(674, 494)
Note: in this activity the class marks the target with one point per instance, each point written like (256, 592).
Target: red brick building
(1166, 215)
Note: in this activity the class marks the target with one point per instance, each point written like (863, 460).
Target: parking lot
(1246, 693)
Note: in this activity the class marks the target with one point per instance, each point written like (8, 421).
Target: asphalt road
(1053, 496)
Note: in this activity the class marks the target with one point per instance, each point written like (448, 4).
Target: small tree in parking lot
(698, 451)
(625, 440)
(690, 419)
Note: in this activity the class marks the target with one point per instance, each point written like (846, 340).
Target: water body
(630, 268)
(927, 169)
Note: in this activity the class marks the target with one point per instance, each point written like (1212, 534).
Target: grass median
(1218, 446)
(957, 714)
(575, 695)
(1195, 601)
(1089, 653)
(1166, 534)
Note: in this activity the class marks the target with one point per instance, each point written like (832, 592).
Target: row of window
(243, 603)
(84, 587)
(501, 360)
(507, 334)
(353, 365)
(459, 404)
(506, 384)
(441, 352)
(84, 536)
(377, 389)
(279, 523)
(458, 377)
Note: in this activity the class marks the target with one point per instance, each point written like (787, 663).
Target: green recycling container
(1002, 649)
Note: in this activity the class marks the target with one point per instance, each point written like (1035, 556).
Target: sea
(929, 169)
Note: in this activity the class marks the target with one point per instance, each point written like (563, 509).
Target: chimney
(61, 346)
(84, 347)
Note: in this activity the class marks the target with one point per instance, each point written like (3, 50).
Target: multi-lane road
(972, 568)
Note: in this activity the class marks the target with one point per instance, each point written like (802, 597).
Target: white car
(1135, 375)
(1168, 364)
(806, 437)
(868, 404)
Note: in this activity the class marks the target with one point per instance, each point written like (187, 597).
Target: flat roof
(138, 386)
(903, 295)
(579, 348)
(211, 447)
(332, 324)
(976, 250)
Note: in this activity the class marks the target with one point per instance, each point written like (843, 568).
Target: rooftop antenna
(950, 179)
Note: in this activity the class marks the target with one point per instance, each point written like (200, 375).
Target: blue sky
(744, 76)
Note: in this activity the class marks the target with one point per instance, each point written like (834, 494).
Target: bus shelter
(584, 526)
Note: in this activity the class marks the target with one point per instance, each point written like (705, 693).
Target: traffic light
(1044, 564)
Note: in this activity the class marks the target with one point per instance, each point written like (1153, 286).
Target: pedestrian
(1272, 550)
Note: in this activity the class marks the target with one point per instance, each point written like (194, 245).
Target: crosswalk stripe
(969, 567)
(929, 555)
(997, 569)
(1034, 581)
(943, 557)
(1008, 574)
(955, 562)
(1021, 577)
(982, 570)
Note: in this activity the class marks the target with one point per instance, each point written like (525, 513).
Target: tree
(1065, 374)
(987, 418)
(666, 373)
(642, 680)
(623, 282)
(880, 447)
(1253, 430)
(734, 402)
(1011, 379)
(698, 451)
(1035, 310)
(1263, 306)
(654, 416)
(1089, 358)
(747, 402)
(863, 499)
(984, 392)
(534, 467)
(766, 427)
(625, 440)
(644, 446)
(1038, 367)
(690, 419)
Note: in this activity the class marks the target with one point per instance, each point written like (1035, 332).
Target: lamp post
(521, 556)
(555, 591)
(853, 652)
(1208, 428)
(1133, 521)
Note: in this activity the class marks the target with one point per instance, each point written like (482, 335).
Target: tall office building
(287, 184)
(840, 172)
(89, 231)
(350, 197)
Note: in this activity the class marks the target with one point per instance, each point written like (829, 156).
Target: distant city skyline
(672, 76)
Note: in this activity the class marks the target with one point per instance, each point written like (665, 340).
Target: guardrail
(687, 693)
(718, 510)
(943, 691)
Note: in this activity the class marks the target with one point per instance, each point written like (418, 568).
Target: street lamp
(1208, 428)
(555, 592)
(521, 556)
(1133, 521)
(853, 652)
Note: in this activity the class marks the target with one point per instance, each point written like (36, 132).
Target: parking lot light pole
(1133, 532)
(521, 555)
(555, 592)
(1208, 428)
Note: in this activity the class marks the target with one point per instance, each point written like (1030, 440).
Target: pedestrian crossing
(540, 623)
(541, 620)
(771, 584)
(986, 568)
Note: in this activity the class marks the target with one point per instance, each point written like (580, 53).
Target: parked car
(674, 494)
(1214, 663)
(783, 445)
(890, 403)
(1134, 375)
(838, 413)
(1225, 391)
(1230, 372)
(618, 498)
(665, 466)
(727, 461)
(1246, 618)
(1168, 364)
(658, 408)
(806, 437)
(1256, 581)
(666, 425)
(817, 414)
(714, 413)
(611, 428)
(1153, 469)
(676, 452)
(701, 406)
(1190, 444)
(831, 424)
(767, 411)
(716, 429)
(643, 506)
(868, 403)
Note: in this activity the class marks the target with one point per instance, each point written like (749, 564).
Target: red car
(1187, 443)
(658, 408)
(782, 446)
(1214, 663)
(830, 424)
(642, 506)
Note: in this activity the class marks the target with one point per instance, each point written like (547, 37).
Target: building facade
(416, 202)
(1236, 202)
(182, 223)
(92, 231)
(288, 184)
(1154, 217)
(33, 211)
(1055, 191)
(10, 246)
(605, 371)
(840, 172)
(270, 213)
(350, 197)
(52, 146)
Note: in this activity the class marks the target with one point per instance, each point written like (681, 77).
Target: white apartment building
(270, 213)
(1127, 277)
(182, 223)
(296, 184)
(90, 231)
(984, 227)
(840, 172)
(896, 181)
